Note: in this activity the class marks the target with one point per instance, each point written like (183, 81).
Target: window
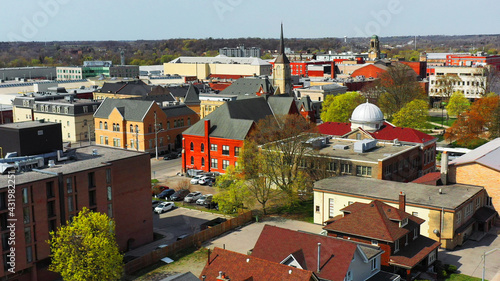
(459, 217)
(236, 151)
(374, 263)
(317, 208)
(225, 164)
(332, 166)
(406, 237)
(203, 162)
(478, 202)
(202, 147)
(396, 246)
(415, 233)
(70, 204)
(110, 210)
(363, 171)
(192, 160)
(25, 195)
(225, 150)
(108, 175)
(51, 208)
(67, 123)
(191, 146)
(110, 193)
(29, 254)
(106, 140)
(131, 128)
(374, 242)
(100, 125)
(189, 121)
(136, 129)
(92, 198)
(50, 189)
(432, 257)
(213, 163)
(69, 185)
(468, 210)
(489, 201)
(117, 127)
(213, 147)
(26, 215)
(404, 222)
(168, 125)
(105, 125)
(345, 168)
(91, 178)
(331, 210)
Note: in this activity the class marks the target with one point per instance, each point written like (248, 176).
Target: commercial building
(116, 183)
(469, 80)
(452, 213)
(32, 72)
(142, 125)
(96, 69)
(74, 115)
(320, 92)
(240, 51)
(6, 115)
(30, 138)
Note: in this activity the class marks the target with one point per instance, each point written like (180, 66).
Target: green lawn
(438, 119)
(461, 277)
(302, 211)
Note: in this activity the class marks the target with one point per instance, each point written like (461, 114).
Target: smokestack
(207, 128)
(319, 253)
(444, 167)
(402, 201)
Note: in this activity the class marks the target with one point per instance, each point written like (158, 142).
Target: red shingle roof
(375, 220)
(334, 128)
(390, 132)
(276, 244)
(236, 266)
(415, 252)
(429, 179)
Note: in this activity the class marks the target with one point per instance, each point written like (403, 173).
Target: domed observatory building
(368, 117)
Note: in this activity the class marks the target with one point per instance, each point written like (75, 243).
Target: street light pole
(484, 260)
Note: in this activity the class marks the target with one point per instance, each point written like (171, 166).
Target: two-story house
(328, 257)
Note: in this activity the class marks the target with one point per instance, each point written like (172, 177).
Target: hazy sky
(61, 20)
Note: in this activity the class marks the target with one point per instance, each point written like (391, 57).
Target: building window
(69, 185)
(51, 208)
(396, 246)
(91, 178)
(203, 162)
(26, 215)
(468, 210)
(213, 147)
(110, 210)
(70, 204)
(100, 125)
(136, 129)
(406, 237)
(189, 121)
(168, 125)
(331, 210)
(317, 208)
(459, 217)
(332, 166)
(106, 142)
(478, 202)
(345, 168)
(214, 163)
(25, 195)
(50, 189)
(236, 151)
(191, 147)
(202, 147)
(105, 125)
(131, 128)
(225, 150)
(29, 254)
(404, 222)
(110, 193)
(108, 175)
(363, 171)
(375, 242)
(414, 214)
(192, 160)
(225, 164)
(415, 233)
(432, 257)
(92, 198)
(117, 127)
(374, 263)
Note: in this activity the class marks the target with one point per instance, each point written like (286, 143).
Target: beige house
(452, 213)
(75, 115)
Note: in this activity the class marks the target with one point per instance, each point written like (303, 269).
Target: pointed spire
(282, 42)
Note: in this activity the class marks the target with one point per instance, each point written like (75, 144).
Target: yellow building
(142, 125)
(452, 213)
(75, 115)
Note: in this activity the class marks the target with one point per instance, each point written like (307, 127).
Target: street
(163, 169)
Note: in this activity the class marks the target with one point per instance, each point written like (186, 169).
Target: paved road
(163, 169)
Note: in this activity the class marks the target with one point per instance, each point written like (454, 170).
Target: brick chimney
(402, 201)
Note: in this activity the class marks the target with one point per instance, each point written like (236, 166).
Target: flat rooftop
(382, 151)
(84, 161)
(27, 124)
(451, 197)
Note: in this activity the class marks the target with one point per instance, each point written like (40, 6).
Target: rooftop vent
(51, 164)
(94, 152)
(364, 145)
(340, 147)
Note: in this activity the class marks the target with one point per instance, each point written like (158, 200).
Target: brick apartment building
(105, 180)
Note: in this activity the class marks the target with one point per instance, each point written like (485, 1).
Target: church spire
(282, 42)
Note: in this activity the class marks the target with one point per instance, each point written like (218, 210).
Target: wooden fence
(192, 240)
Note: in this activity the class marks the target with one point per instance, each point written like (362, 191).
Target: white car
(204, 180)
(192, 197)
(196, 179)
(165, 206)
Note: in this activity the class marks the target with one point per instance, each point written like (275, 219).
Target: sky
(72, 20)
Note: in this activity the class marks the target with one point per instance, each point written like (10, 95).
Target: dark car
(179, 195)
(158, 189)
(165, 194)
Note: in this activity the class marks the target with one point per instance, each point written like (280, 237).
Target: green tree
(85, 249)
(339, 108)
(446, 85)
(458, 103)
(412, 115)
(233, 192)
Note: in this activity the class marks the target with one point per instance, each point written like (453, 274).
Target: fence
(192, 240)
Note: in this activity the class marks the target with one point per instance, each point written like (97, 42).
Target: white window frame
(396, 246)
(374, 263)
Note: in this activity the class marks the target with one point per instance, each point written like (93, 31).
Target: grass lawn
(461, 277)
(437, 119)
(303, 211)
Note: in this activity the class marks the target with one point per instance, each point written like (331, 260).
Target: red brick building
(214, 143)
(472, 60)
(106, 180)
(396, 232)
(6, 115)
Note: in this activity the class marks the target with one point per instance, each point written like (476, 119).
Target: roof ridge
(383, 216)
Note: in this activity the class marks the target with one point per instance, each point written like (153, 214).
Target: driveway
(468, 257)
(243, 239)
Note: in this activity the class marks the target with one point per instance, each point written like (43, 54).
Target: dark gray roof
(306, 102)
(133, 110)
(452, 196)
(28, 124)
(137, 87)
(192, 95)
(281, 104)
(248, 86)
(178, 91)
(384, 276)
(178, 110)
(233, 119)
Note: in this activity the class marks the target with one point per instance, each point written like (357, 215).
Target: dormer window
(404, 222)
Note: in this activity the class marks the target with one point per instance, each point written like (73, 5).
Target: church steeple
(282, 74)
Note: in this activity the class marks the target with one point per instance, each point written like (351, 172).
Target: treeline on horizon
(151, 52)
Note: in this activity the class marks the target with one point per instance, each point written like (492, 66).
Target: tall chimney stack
(319, 253)
(402, 201)
(444, 167)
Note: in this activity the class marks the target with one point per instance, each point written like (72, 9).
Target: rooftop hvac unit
(340, 147)
(364, 145)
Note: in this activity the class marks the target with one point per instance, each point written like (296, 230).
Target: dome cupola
(367, 116)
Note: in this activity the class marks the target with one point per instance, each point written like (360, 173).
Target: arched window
(202, 147)
(191, 146)
(114, 127)
(100, 124)
(189, 121)
(136, 128)
(117, 127)
(203, 162)
(192, 160)
(105, 125)
(168, 125)
(131, 128)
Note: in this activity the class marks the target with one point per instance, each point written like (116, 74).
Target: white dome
(367, 113)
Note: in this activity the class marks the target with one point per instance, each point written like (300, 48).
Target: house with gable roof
(328, 257)
(396, 232)
(225, 265)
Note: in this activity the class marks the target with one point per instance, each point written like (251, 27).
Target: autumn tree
(339, 108)
(412, 115)
(233, 192)
(480, 122)
(86, 249)
(399, 86)
(458, 103)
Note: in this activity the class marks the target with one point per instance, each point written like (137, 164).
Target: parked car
(165, 206)
(192, 197)
(196, 179)
(156, 203)
(204, 180)
(179, 195)
(212, 205)
(165, 194)
(158, 189)
(204, 199)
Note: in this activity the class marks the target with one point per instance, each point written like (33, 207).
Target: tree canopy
(86, 249)
(233, 192)
(458, 103)
(412, 115)
(339, 108)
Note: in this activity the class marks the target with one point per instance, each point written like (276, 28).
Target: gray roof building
(250, 86)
